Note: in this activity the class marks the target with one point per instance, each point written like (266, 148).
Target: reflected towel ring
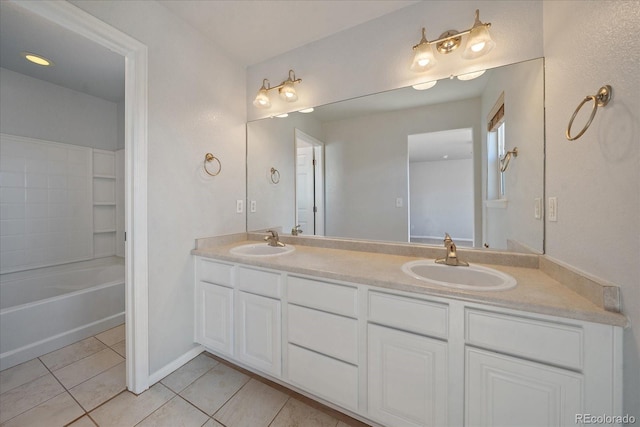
(506, 159)
(600, 99)
(275, 175)
(209, 158)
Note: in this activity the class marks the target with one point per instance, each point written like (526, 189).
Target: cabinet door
(506, 391)
(407, 378)
(258, 332)
(214, 318)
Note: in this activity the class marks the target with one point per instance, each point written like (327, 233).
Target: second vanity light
(286, 89)
(479, 43)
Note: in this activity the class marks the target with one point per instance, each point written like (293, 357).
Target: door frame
(136, 244)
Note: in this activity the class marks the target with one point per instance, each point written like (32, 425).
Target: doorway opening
(309, 184)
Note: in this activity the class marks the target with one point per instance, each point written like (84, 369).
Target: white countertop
(536, 292)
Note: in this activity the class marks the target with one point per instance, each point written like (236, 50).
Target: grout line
(279, 410)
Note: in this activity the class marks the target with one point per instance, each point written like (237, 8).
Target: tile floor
(83, 384)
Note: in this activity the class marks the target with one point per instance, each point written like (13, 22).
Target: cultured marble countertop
(536, 292)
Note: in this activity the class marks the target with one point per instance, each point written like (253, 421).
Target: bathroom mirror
(409, 165)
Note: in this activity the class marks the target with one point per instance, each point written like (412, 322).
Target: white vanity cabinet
(214, 306)
(403, 359)
(258, 319)
(407, 359)
(323, 344)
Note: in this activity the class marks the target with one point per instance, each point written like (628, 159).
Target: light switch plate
(239, 206)
(253, 206)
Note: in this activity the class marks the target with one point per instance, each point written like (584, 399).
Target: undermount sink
(473, 277)
(261, 250)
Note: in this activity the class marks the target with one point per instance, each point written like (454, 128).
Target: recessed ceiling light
(37, 59)
(471, 76)
(307, 110)
(282, 116)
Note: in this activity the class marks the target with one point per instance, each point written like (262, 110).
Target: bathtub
(45, 309)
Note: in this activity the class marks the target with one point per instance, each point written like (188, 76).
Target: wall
(195, 106)
(37, 109)
(368, 160)
(597, 178)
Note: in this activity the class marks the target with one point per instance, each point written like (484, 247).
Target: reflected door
(309, 184)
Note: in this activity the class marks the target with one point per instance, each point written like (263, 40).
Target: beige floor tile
(84, 369)
(21, 374)
(27, 396)
(176, 412)
(255, 405)
(83, 422)
(112, 336)
(127, 409)
(72, 353)
(97, 390)
(296, 413)
(213, 389)
(120, 348)
(58, 411)
(188, 373)
(212, 423)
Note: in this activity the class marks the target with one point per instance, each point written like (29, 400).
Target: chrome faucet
(296, 230)
(273, 239)
(452, 255)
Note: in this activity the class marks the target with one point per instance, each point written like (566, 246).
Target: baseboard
(175, 364)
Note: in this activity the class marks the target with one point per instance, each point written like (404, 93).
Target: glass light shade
(479, 42)
(425, 86)
(288, 92)
(262, 99)
(471, 76)
(423, 58)
(37, 59)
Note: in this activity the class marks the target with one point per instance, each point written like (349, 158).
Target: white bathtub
(48, 308)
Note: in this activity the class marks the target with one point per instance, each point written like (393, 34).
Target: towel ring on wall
(506, 159)
(600, 99)
(210, 158)
(275, 175)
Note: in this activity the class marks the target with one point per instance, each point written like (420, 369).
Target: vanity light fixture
(37, 59)
(286, 89)
(479, 43)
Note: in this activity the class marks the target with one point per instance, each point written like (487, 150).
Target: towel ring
(600, 99)
(275, 175)
(209, 158)
(506, 159)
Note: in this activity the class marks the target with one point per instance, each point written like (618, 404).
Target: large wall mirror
(409, 165)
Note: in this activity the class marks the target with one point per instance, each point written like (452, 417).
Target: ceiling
(250, 31)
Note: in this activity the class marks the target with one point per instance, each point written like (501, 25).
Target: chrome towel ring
(210, 158)
(275, 175)
(600, 99)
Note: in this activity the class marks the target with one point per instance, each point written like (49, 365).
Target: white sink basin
(261, 250)
(473, 277)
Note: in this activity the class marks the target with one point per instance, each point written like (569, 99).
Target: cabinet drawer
(548, 342)
(415, 315)
(214, 272)
(339, 299)
(333, 335)
(323, 376)
(259, 282)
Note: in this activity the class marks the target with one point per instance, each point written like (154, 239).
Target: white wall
(368, 160)
(37, 109)
(441, 199)
(195, 106)
(597, 178)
